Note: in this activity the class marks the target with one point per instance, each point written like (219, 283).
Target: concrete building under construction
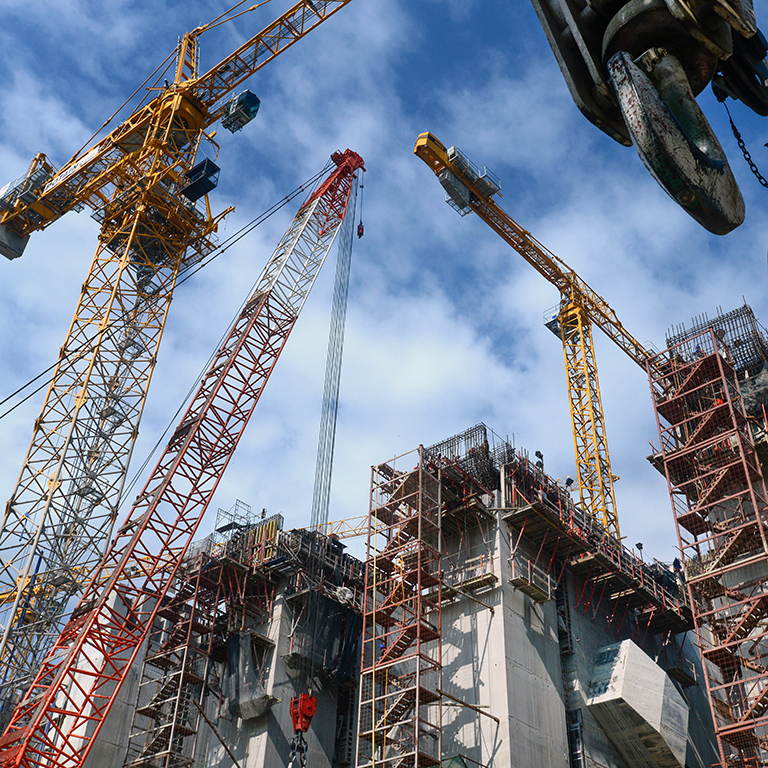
(503, 626)
(494, 621)
(255, 614)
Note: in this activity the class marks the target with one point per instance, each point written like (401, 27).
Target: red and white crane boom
(61, 714)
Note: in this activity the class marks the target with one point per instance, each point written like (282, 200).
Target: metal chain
(744, 151)
(298, 751)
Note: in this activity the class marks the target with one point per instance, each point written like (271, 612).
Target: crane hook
(674, 139)
(360, 227)
(302, 709)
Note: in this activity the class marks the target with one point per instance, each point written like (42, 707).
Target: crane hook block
(303, 707)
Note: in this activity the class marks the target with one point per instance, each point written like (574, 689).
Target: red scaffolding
(221, 589)
(175, 671)
(400, 713)
(419, 501)
(720, 505)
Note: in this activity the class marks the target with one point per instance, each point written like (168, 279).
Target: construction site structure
(494, 622)
(252, 608)
(63, 710)
(710, 390)
(148, 189)
(400, 714)
(503, 625)
(214, 594)
(470, 189)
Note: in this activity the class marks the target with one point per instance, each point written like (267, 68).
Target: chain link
(298, 751)
(744, 151)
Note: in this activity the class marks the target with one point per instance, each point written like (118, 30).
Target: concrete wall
(592, 631)
(263, 742)
(507, 661)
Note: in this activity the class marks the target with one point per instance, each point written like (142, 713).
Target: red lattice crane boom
(62, 712)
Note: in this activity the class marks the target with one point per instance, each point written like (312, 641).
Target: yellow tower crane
(470, 189)
(148, 190)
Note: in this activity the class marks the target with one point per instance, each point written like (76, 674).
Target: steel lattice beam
(61, 512)
(590, 444)
(117, 162)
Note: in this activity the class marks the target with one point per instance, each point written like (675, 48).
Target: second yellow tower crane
(469, 189)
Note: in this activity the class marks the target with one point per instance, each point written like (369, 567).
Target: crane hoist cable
(360, 227)
(469, 189)
(67, 703)
(303, 706)
(330, 406)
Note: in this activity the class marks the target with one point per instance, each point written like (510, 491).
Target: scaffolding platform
(451, 592)
(568, 535)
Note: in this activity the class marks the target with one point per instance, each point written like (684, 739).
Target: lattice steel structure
(590, 443)
(321, 495)
(136, 180)
(64, 708)
(217, 588)
(738, 329)
(720, 505)
(400, 711)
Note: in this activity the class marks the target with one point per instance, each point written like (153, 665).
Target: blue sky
(445, 320)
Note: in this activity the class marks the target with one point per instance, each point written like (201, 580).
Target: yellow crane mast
(149, 192)
(469, 189)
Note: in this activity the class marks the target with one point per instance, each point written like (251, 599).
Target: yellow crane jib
(471, 189)
(167, 126)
